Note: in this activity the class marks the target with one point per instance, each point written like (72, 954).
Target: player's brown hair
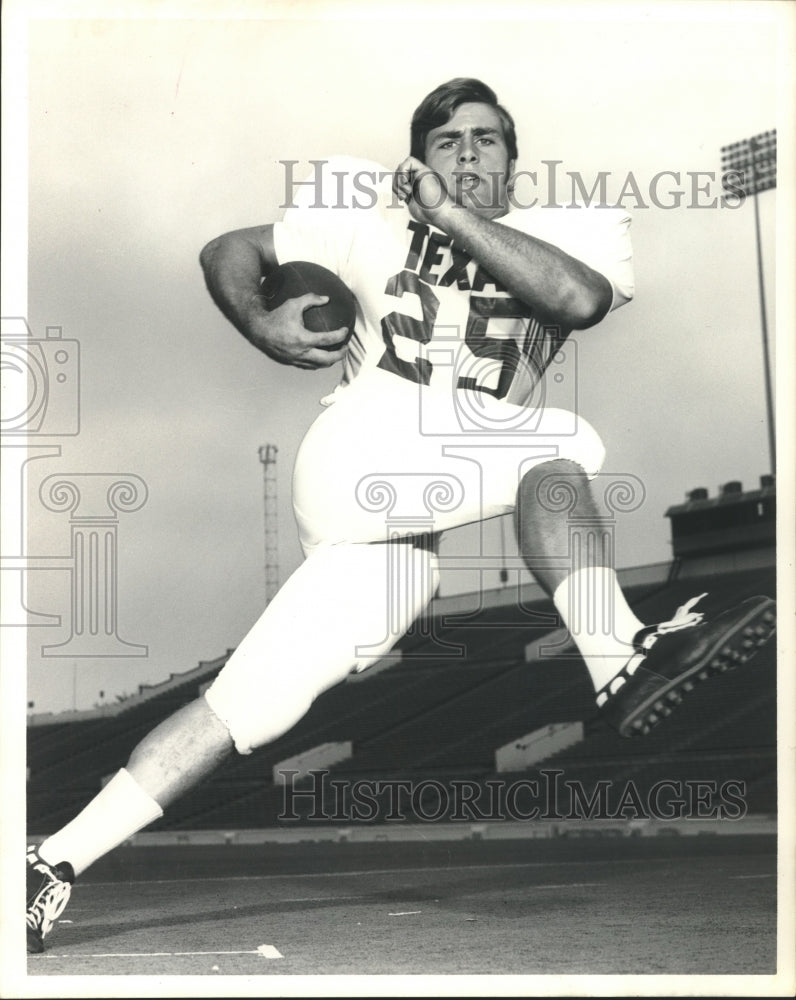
(438, 107)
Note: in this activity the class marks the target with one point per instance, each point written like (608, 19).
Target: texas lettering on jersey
(428, 313)
(499, 347)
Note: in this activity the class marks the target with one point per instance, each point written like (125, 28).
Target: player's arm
(233, 265)
(557, 286)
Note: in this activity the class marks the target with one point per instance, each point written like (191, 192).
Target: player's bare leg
(563, 538)
(640, 673)
(543, 528)
(180, 752)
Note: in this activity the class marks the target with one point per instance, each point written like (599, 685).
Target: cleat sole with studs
(732, 654)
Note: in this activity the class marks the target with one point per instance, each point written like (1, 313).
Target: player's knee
(560, 471)
(550, 484)
(250, 722)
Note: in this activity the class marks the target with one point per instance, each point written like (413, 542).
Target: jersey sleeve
(324, 213)
(598, 237)
(606, 247)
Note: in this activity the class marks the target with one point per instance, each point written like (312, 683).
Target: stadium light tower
(750, 166)
(267, 454)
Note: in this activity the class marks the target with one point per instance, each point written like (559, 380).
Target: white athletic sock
(594, 609)
(121, 809)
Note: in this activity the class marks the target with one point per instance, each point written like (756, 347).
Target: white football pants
(385, 461)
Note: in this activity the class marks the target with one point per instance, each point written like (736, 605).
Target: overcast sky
(149, 137)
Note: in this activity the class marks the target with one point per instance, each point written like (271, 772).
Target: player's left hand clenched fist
(422, 188)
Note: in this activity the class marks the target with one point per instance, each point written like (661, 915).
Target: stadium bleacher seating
(462, 689)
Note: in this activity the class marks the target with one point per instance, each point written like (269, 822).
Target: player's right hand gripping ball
(299, 277)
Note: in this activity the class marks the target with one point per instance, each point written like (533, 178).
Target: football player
(464, 300)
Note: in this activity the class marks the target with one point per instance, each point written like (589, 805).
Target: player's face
(470, 153)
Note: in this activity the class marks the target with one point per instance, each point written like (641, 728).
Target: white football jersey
(427, 312)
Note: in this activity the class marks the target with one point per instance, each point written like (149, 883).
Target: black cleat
(48, 889)
(673, 657)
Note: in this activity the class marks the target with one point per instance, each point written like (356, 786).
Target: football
(299, 277)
